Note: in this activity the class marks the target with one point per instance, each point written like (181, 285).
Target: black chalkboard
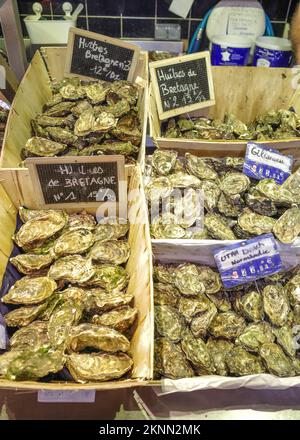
(78, 182)
(182, 83)
(96, 56)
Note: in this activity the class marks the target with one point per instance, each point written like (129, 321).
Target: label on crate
(182, 84)
(248, 261)
(66, 396)
(92, 55)
(267, 163)
(67, 181)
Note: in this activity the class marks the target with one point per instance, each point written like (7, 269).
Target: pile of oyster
(87, 119)
(203, 329)
(276, 124)
(73, 307)
(235, 206)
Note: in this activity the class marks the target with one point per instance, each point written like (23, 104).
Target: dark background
(137, 18)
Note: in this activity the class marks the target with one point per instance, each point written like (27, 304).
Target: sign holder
(104, 41)
(191, 103)
(59, 201)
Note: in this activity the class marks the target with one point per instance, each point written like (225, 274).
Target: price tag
(248, 261)
(3, 334)
(61, 396)
(267, 163)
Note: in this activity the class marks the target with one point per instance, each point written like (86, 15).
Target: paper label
(243, 20)
(266, 163)
(181, 7)
(61, 396)
(248, 261)
(2, 337)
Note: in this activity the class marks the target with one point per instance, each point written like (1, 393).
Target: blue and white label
(266, 163)
(229, 56)
(66, 396)
(241, 263)
(271, 58)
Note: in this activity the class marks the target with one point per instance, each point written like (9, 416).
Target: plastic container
(48, 31)
(230, 50)
(272, 52)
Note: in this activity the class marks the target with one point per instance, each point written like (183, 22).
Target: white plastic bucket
(48, 31)
(230, 50)
(272, 52)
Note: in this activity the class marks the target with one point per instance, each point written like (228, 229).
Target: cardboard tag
(248, 261)
(61, 396)
(266, 163)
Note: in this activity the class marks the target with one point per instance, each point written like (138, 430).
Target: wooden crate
(139, 267)
(247, 92)
(34, 91)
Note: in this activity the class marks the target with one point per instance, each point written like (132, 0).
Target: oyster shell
(163, 274)
(80, 107)
(168, 323)
(157, 188)
(101, 301)
(251, 306)
(166, 294)
(218, 227)
(199, 167)
(23, 316)
(276, 361)
(182, 180)
(212, 194)
(227, 325)
(163, 161)
(234, 183)
(5, 360)
(190, 307)
(120, 319)
(221, 301)
(62, 135)
(104, 122)
(97, 337)
(187, 280)
(83, 220)
(97, 92)
(51, 121)
(196, 352)
(287, 227)
(72, 92)
(276, 304)
(67, 314)
(128, 129)
(255, 335)
(85, 123)
(111, 252)
(292, 289)
(210, 278)
(228, 207)
(218, 350)
(255, 224)
(109, 277)
(260, 204)
(30, 291)
(284, 338)
(98, 367)
(28, 263)
(34, 336)
(75, 294)
(125, 89)
(170, 361)
(60, 109)
(292, 184)
(73, 269)
(74, 242)
(242, 363)
(202, 321)
(39, 146)
(111, 228)
(161, 230)
(271, 190)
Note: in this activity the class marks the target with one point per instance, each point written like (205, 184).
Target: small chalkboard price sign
(91, 55)
(182, 84)
(81, 182)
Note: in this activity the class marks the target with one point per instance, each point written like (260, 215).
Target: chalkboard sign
(183, 84)
(86, 181)
(91, 55)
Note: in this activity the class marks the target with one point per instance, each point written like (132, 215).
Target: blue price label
(248, 261)
(66, 396)
(266, 163)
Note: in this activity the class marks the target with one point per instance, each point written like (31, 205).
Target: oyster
(190, 307)
(218, 350)
(187, 280)
(120, 319)
(170, 361)
(276, 304)
(111, 228)
(75, 294)
(210, 278)
(72, 92)
(163, 161)
(33, 336)
(227, 325)
(28, 263)
(276, 361)
(202, 321)
(119, 108)
(182, 180)
(234, 183)
(125, 89)
(212, 194)
(254, 223)
(221, 301)
(218, 227)
(104, 122)
(51, 121)
(199, 167)
(287, 227)
(292, 185)
(5, 360)
(62, 135)
(110, 147)
(57, 85)
(196, 352)
(251, 306)
(85, 123)
(97, 337)
(101, 301)
(292, 289)
(161, 230)
(284, 338)
(163, 274)
(80, 107)
(260, 204)
(98, 367)
(74, 242)
(166, 294)
(60, 109)
(109, 277)
(40, 228)
(242, 363)
(30, 291)
(128, 129)
(271, 190)
(73, 269)
(96, 92)
(228, 207)
(83, 220)
(67, 314)
(112, 252)
(23, 316)
(157, 188)
(38, 146)
(168, 323)
(255, 335)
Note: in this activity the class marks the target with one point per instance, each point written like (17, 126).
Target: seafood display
(73, 309)
(276, 124)
(203, 329)
(87, 119)
(211, 198)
